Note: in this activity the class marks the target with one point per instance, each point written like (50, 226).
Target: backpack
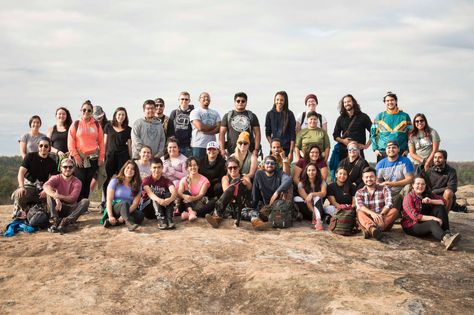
(343, 222)
(76, 124)
(281, 215)
(320, 117)
(38, 217)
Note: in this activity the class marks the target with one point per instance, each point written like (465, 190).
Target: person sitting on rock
(375, 211)
(443, 178)
(424, 213)
(237, 190)
(62, 193)
(34, 171)
(268, 186)
(354, 163)
(158, 196)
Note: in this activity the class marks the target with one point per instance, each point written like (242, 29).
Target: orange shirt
(86, 139)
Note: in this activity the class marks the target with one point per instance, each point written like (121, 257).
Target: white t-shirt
(305, 122)
(208, 117)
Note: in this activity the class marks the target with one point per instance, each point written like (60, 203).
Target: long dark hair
(284, 112)
(346, 188)
(114, 118)
(306, 181)
(68, 121)
(355, 105)
(166, 156)
(136, 181)
(308, 150)
(414, 130)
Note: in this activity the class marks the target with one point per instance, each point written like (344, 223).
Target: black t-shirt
(237, 123)
(38, 168)
(180, 125)
(357, 132)
(117, 141)
(354, 170)
(339, 195)
(214, 172)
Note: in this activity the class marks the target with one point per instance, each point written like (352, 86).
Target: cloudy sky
(120, 53)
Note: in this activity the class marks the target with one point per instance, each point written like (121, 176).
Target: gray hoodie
(148, 133)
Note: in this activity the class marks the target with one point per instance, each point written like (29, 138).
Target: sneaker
(107, 223)
(366, 234)
(213, 220)
(162, 224)
(171, 225)
(53, 229)
(376, 232)
(319, 225)
(132, 226)
(449, 240)
(62, 226)
(184, 216)
(259, 225)
(192, 215)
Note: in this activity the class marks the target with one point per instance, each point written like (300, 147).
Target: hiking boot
(62, 226)
(213, 220)
(192, 215)
(162, 224)
(376, 232)
(366, 234)
(449, 240)
(107, 223)
(259, 225)
(132, 226)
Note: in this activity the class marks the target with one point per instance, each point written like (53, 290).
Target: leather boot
(213, 220)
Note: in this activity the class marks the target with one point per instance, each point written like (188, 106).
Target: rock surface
(200, 270)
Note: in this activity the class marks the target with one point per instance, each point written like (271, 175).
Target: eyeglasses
(67, 167)
(230, 168)
(85, 110)
(184, 99)
(44, 146)
(270, 163)
(419, 121)
(242, 143)
(240, 101)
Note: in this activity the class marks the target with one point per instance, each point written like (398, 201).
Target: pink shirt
(195, 189)
(71, 187)
(86, 139)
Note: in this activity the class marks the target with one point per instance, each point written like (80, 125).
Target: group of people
(193, 163)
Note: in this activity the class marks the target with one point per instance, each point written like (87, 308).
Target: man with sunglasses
(62, 192)
(269, 185)
(236, 121)
(181, 124)
(160, 114)
(34, 171)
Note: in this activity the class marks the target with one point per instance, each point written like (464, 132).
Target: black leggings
(113, 164)
(85, 175)
(431, 227)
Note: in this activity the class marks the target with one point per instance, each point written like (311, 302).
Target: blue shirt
(394, 171)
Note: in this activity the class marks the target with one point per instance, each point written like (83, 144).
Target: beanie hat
(310, 96)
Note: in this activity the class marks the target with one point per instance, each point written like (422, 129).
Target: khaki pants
(366, 221)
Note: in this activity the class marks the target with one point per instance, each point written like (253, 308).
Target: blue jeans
(199, 153)
(186, 151)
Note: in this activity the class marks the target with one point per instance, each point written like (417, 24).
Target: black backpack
(282, 213)
(38, 216)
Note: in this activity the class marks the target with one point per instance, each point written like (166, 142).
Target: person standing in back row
(351, 126)
(236, 121)
(391, 124)
(148, 131)
(181, 124)
(206, 123)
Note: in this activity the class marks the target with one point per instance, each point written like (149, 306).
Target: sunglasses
(419, 121)
(230, 168)
(270, 163)
(67, 167)
(84, 110)
(184, 99)
(240, 101)
(44, 146)
(242, 143)
(160, 105)
(352, 150)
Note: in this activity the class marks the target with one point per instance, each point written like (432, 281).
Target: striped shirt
(379, 199)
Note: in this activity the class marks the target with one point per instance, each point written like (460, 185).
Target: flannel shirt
(381, 198)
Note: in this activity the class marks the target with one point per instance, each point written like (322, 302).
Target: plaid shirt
(381, 198)
(412, 208)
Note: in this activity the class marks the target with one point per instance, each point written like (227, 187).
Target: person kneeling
(158, 196)
(123, 198)
(237, 190)
(425, 213)
(269, 185)
(375, 212)
(62, 192)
